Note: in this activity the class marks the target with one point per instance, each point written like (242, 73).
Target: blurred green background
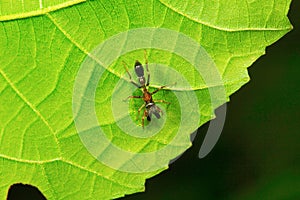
(258, 154)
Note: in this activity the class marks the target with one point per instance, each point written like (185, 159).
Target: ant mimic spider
(149, 103)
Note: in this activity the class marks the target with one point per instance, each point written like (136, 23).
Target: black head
(139, 70)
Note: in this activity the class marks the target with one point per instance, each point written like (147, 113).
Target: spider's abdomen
(139, 70)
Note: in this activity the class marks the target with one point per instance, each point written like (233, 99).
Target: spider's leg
(162, 101)
(139, 110)
(133, 97)
(161, 87)
(143, 118)
(147, 69)
(130, 77)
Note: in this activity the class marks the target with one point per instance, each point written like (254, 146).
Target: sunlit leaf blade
(235, 15)
(15, 9)
(41, 55)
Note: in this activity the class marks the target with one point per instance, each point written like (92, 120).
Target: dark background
(258, 153)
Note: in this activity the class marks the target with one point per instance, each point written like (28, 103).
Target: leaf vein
(224, 28)
(30, 105)
(40, 11)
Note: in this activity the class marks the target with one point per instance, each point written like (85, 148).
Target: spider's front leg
(130, 77)
(147, 69)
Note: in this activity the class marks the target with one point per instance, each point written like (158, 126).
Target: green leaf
(10, 10)
(39, 63)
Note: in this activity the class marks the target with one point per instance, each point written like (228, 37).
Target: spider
(149, 103)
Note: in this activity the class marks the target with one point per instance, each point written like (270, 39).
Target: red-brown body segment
(147, 97)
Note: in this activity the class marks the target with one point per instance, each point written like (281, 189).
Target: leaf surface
(42, 49)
